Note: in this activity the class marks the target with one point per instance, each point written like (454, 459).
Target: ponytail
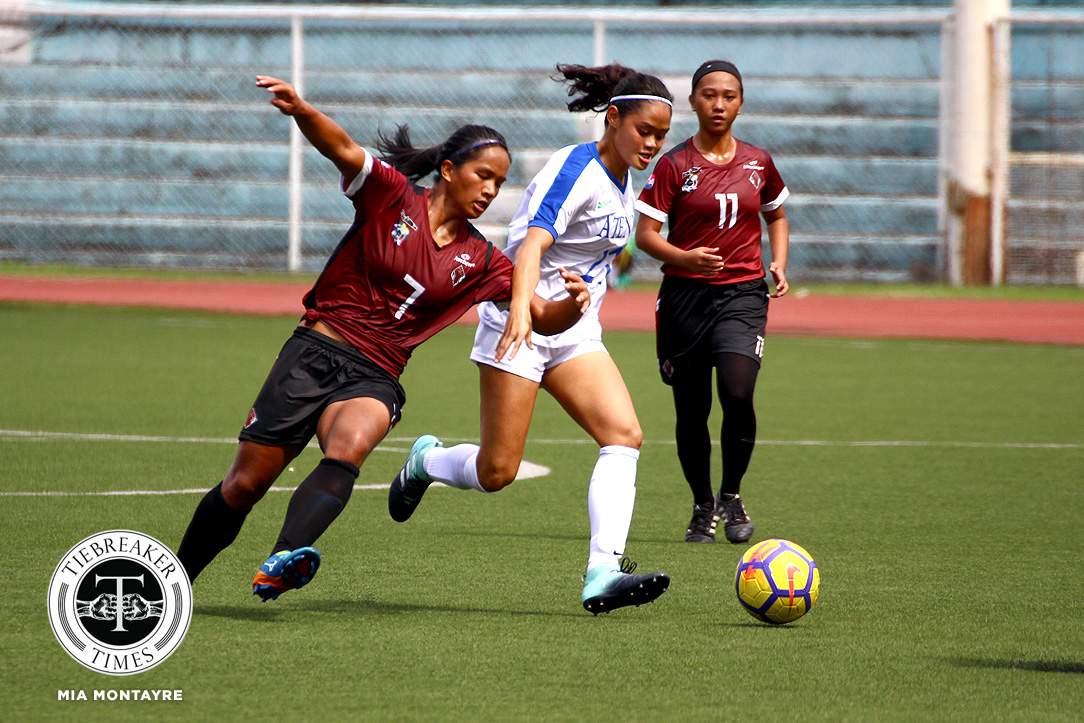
(593, 88)
(417, 163)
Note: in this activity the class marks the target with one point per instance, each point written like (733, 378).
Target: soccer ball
(777, 581)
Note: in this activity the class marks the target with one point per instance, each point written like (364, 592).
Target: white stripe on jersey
(783, 196)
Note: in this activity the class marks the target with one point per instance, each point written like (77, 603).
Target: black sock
(316, 503)
(737, 377)
(213, 528)
(692, 405)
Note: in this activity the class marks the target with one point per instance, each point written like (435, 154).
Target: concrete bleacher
(146, 141)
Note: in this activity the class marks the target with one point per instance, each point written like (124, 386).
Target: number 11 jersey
(715, 206)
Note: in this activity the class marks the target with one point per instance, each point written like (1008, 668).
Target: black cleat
(736, 523)
(702, 525)
(605, 590)
(405, 493)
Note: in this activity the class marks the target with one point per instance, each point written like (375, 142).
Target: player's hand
(286, 98)
(703, 260)
(517, 331)
(576, 288)
(779, 275)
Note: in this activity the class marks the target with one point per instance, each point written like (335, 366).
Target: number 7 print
(418, 291)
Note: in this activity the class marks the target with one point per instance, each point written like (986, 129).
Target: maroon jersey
(388, 286)
(712, 205)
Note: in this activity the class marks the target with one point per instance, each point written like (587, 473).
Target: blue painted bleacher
(149, 137)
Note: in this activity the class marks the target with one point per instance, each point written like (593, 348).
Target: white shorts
(528, 363)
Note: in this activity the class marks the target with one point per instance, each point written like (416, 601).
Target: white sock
(454, 466)
(610, 499)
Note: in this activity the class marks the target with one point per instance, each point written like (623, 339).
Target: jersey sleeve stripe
(783, 196)
(651, 211)
(557, 194)
(539, 223)
(355, 185)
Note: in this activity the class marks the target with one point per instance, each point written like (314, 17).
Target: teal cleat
(285, 570)
(607, 588)
(405, 493)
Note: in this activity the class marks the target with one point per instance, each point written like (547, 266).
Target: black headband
(716, 66)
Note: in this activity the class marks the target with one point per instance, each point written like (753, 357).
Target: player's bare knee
(349, 450)
(495, 476)
(630, 436)
(241, 491)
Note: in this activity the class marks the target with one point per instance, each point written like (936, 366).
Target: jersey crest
(756, 180)
(401, 230)
(690, 179)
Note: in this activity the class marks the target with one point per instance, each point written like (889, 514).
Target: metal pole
(598, 122)
(297, 71)
(969, 188)
(946, 117)
(1000, 102)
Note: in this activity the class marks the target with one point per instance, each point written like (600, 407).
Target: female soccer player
(409, 266)
(713, 301)
(576, 213)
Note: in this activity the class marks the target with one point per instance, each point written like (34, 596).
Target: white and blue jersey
(589, 213)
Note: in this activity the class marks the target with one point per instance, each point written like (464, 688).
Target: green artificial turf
(937, 484)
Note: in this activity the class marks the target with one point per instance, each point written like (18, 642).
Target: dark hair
(416, 163)
(718, 66)
(592, 88)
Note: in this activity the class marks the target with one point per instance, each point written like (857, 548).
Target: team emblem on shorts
(401, 230)
(758, 348)
(119, 602)
(251, 418)
(690, 179)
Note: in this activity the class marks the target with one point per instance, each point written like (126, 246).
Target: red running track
(1053, 322)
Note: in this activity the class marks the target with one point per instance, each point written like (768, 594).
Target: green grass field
(938, 485)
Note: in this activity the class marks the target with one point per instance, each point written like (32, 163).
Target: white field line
(822, 443)
(527, 470)
(100, 437)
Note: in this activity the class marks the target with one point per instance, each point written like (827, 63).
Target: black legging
(736, 379)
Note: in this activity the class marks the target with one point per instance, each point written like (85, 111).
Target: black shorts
(695, 322)
(311, 372)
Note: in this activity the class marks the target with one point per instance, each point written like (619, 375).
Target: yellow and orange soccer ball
(777, 581)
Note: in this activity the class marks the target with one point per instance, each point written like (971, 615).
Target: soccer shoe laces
(626, 565)
(703, 521)
(735, 510)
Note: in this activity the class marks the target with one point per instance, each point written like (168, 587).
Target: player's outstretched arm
(553, 317)
(517, 328)
(324, 134)
(702, 260)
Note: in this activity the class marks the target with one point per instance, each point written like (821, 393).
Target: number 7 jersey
(387, 286)
(715, 205)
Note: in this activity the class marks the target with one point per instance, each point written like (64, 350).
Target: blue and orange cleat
(285, 570)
